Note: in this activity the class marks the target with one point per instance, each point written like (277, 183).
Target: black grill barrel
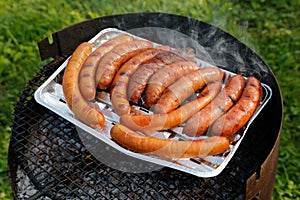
(48, 159)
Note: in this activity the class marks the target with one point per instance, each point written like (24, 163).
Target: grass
(271, 28)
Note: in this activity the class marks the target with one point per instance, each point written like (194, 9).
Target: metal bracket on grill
(66, 40)
(256, 187)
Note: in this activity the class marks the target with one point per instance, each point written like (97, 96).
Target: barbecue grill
(47, 159)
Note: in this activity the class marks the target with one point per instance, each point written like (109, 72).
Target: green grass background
(271, 28)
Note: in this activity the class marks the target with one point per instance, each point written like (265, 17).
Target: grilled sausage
(111, 61)
(200, 122)
(241, 112)
(87, 73)
(168, 148)
(152, 123)
(164, 77)
(181, 89)
(82, 110)
(119, 86)
(139, 79)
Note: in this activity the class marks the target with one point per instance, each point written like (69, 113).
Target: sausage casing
(87, 73)
(118, 91)
(200, 122)
(139, 79)
(82, 110)
(164, 77)
(168, 148)
(110, 62)
(155, 122)
(185, 86)
(241, 112)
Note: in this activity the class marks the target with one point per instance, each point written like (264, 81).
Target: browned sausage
(168, 148)
(200, 122)
(185, 86)
(139, 79)
(152, 123)
(164, 77)
(119, 86)
(82, 110)
(87, 73)
(241, 112)
(110, 62)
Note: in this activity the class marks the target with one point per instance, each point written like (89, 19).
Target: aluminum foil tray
(50, 95)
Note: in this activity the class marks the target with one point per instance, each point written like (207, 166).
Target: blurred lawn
(271, 28)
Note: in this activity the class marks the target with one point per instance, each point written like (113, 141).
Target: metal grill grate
(58, 166)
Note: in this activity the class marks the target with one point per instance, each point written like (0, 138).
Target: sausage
(164, 77)
(82, 110)
(168, 148)
(111, 61)
(87, 73)
(200, 122)
(118, 93)
(71, 73)
(185, 86)
(241, 112)
(139, 79)
(151, 123)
